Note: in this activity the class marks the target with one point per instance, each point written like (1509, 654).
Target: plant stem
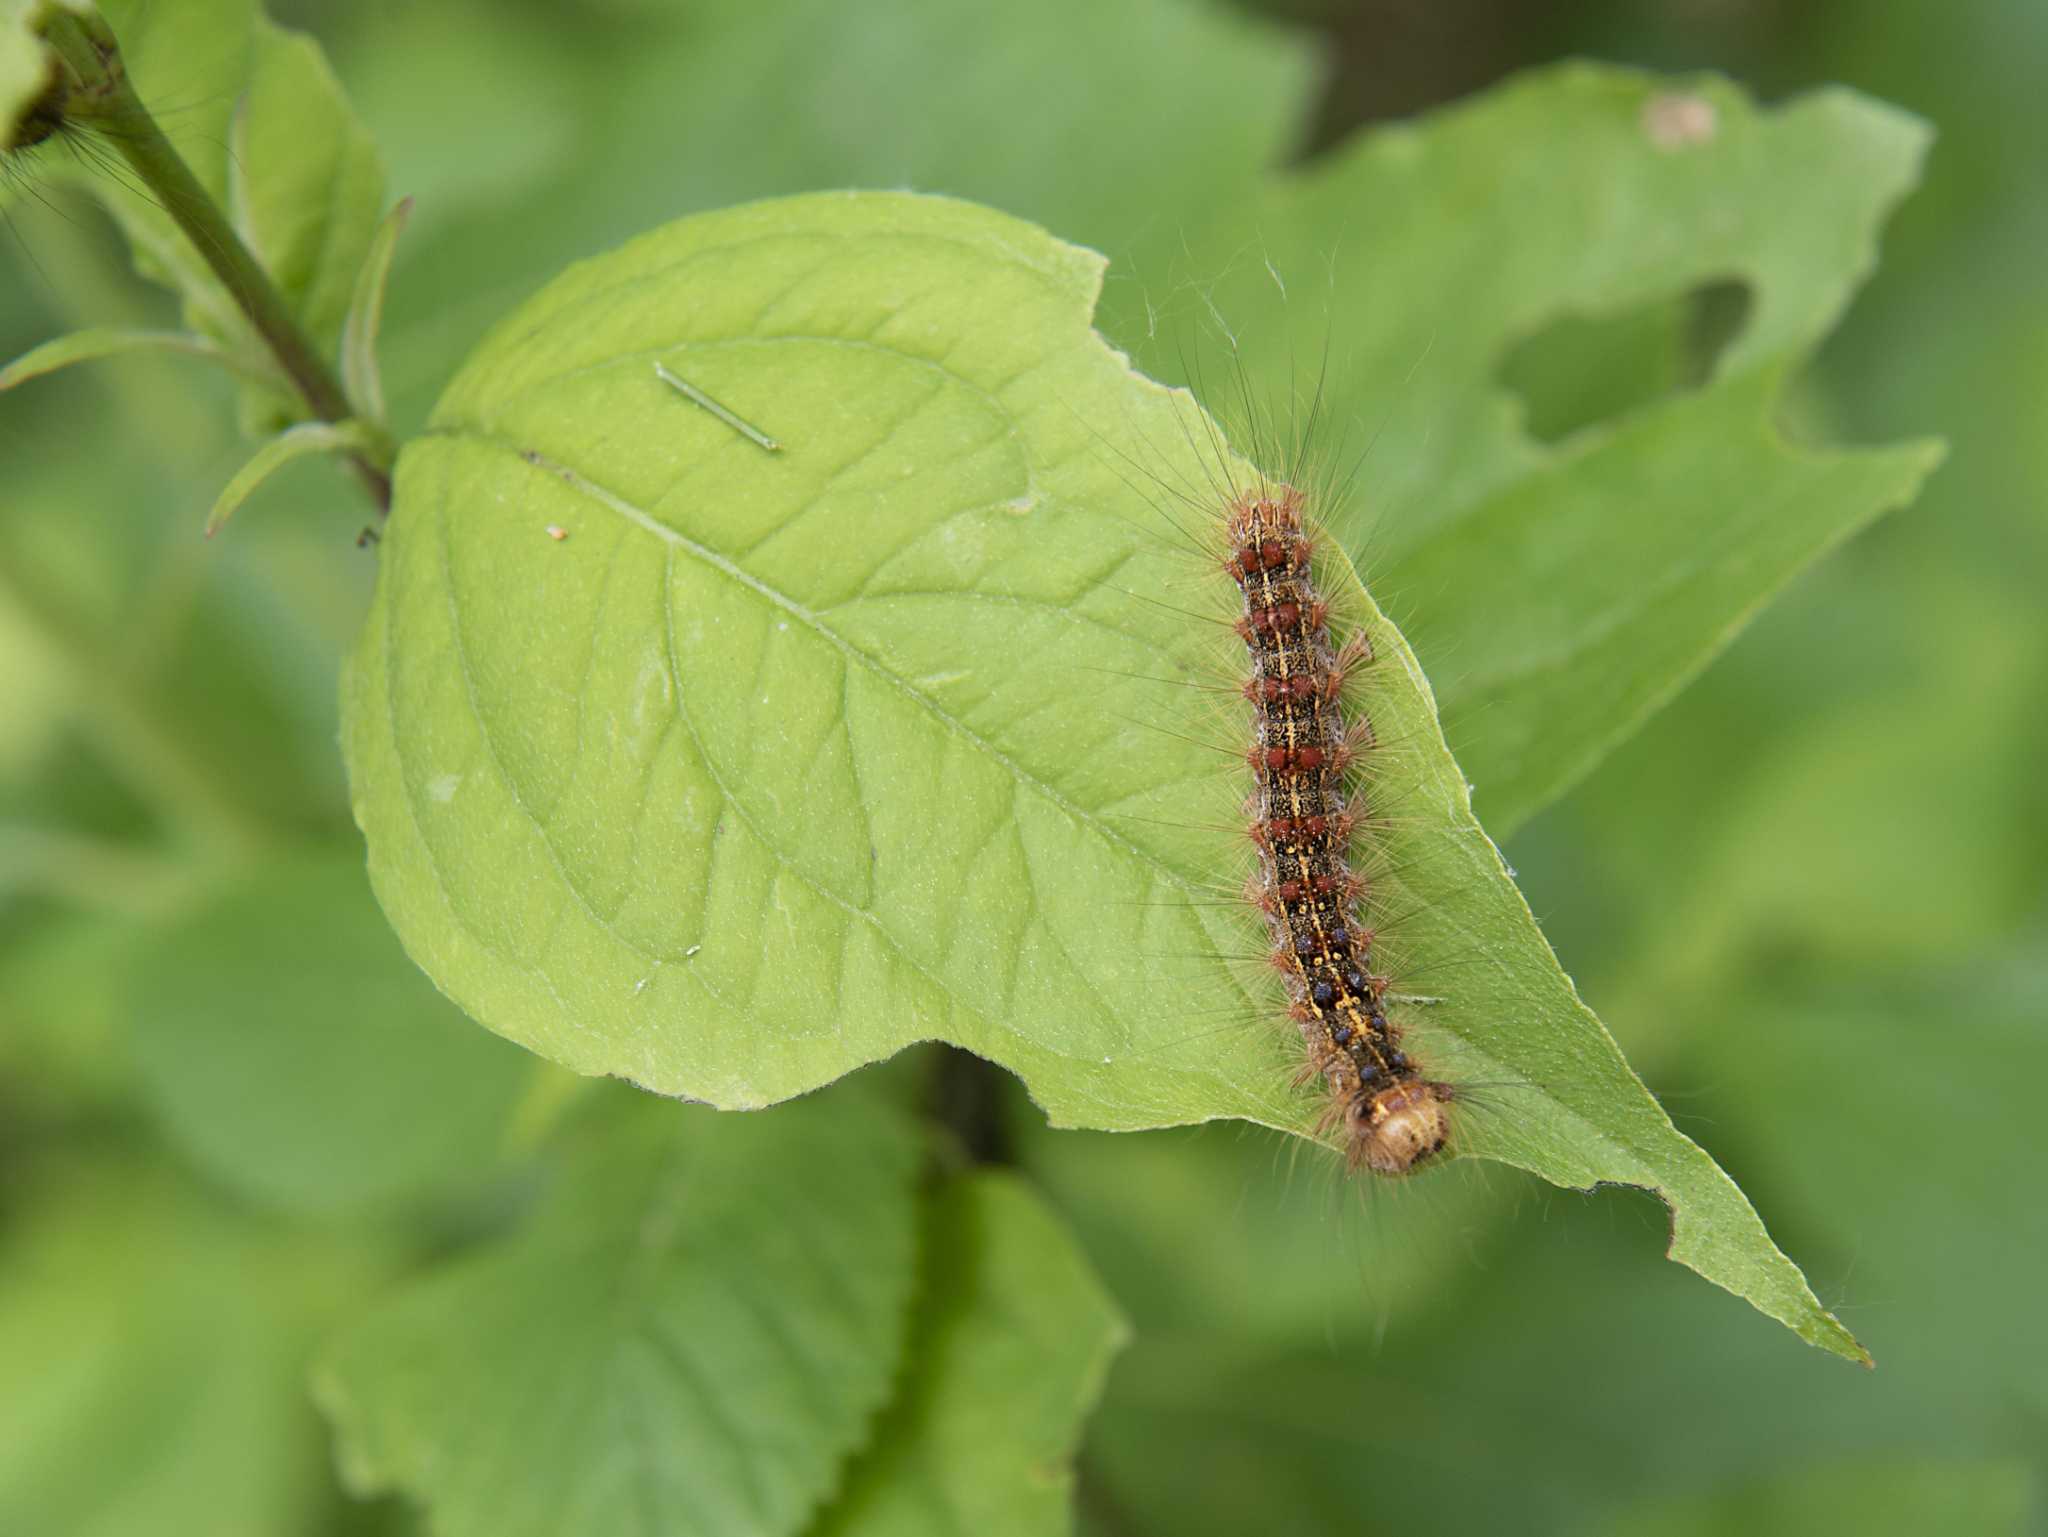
(966, 1096)
(104, 97)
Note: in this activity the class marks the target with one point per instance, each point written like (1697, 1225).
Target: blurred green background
(1808, 899)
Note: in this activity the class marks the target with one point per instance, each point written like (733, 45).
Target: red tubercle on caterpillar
(1356, 652)
(1264, 834)
(1270, 512)
(1290, 760)
(1269, 554)
(1347, 888)
(1277, 830)
(1287, 617)
(1357, 741)
(1324, 685)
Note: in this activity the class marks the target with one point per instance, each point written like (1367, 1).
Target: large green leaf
(1561, 593)
(728, 770)
(294, 1052)
(690, 1336)
(1013, 1336)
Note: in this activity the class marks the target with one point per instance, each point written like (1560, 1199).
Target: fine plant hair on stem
(101, 105)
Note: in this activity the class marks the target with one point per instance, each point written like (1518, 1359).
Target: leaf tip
(1834, 1337)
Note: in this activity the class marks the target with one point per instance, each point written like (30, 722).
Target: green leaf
(728, 771)
(1014, 1336)
(690, 1335)
(292, 443)
(296, 1054)
(360, 374)
(305, 180)
(1560, 594)
(156, 1347)
(89, 346)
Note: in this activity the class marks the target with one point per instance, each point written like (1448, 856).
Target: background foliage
(1806, 897)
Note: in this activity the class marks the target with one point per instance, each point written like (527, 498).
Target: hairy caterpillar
(1324, 823)
(1391, 1115)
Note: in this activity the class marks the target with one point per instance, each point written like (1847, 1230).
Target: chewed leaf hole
(1581, 370)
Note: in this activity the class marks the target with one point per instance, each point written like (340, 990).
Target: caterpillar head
(1396, 1129)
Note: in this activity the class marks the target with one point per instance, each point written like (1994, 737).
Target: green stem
(104, 97)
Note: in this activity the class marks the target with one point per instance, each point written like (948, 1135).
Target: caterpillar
(1391, 1116)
